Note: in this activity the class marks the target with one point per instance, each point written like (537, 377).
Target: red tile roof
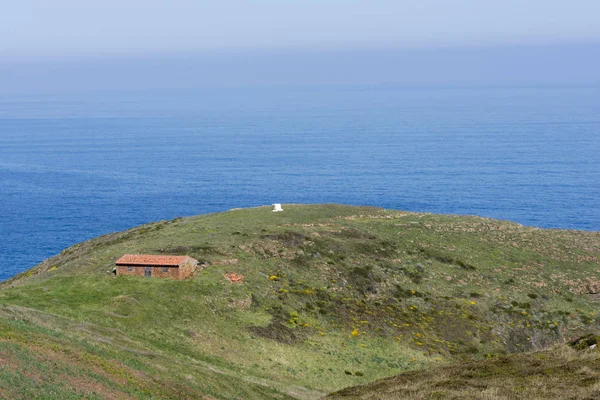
(147, 259)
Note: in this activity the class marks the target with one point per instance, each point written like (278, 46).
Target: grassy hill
(333, 296)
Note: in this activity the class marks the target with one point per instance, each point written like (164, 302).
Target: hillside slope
(554, 374)
(332, 296)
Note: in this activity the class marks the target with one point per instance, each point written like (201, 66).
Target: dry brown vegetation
(557, 373)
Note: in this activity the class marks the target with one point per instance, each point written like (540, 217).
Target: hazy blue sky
(67, 41)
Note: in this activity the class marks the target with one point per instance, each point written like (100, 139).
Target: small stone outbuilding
(158, 266)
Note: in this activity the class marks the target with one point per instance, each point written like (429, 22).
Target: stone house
(158, 266)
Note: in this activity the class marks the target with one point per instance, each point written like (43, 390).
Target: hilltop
(332, 296)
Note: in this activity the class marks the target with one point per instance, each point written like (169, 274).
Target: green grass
(333, 296)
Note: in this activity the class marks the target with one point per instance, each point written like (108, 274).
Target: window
(165, 269)
(130, 268)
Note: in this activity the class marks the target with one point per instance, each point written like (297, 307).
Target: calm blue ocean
(73, 167)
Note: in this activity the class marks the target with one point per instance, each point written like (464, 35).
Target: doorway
(147, 272)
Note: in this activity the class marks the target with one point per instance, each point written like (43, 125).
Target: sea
(76, 166)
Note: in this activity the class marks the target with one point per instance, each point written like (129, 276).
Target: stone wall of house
(187, 269)
(157, 272)
(184, 271)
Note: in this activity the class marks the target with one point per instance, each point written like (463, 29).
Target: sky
(47, 45)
